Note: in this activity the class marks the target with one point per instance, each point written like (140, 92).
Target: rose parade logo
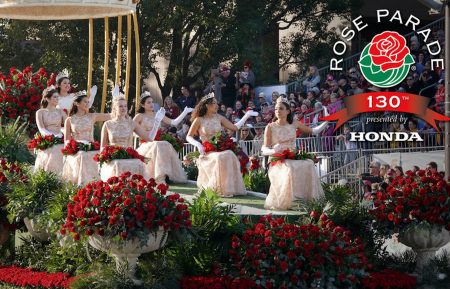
(385, 62)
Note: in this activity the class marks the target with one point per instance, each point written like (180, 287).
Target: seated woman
(81, 168)
(217, 170)
(49, 120)
(163, 160)
(290, 179)
(119, 132)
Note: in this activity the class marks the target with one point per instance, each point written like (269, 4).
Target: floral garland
(73, 147)
(221, 142)
(287, 154)
(176, 142)
(110, 153)
(389, 279)
(40, 142)
(27, 277)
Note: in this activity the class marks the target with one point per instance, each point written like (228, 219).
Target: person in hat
(163, 159)
(228, 86)
(247, 75)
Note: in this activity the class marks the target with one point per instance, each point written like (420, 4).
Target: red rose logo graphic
(388, 50)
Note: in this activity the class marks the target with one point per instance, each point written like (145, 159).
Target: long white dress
(218, 170)
(65, 102)
(120, 133)
(51, 159)
(81, 168)
(162, 158)
(292, 179)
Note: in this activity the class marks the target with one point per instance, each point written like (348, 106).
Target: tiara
(145, 94)
(79, 93)
(64, 73)
(282, 100)
(208, 96)
(51, 87)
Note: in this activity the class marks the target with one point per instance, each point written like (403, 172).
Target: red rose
(388, 50)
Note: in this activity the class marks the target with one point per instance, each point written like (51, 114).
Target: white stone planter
(35, 231)
(128, 252)
(425, 242)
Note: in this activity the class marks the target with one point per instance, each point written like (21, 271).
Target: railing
(352, 60)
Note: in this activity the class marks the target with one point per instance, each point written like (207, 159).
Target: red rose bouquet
(413, 199)
(73, 147)
(124, 207)
(176, 142)
(40, 142)
(221, 142)
(110, 153)
(277, 254)
(287, 154)
(21, 93)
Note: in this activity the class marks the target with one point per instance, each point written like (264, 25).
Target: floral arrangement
(216, 282)
(110, 153)
(20, 94)
(389, 279)
(256, 179)
(176, 142)
(40, 142)
(124, 207)
(27, 277)
(411, 200)
(73, 147)
(221, 142)
(288, 154)
(276, 254)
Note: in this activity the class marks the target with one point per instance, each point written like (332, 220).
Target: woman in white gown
(291, 179)
(217, 170)
(119, 132)
(49, 120)
(65, 100)
(81, 168)
(163, 160)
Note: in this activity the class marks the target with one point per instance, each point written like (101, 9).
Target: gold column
(127, 75)
(119, 49)
(138, 60)
(91, 54)
(105, 65)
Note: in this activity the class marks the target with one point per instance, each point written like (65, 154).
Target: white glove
(115, 92)
(195, 143)
(318, 129)
(60, 135)
(158, 118)
(92, 94)
(186, 111)
(246, 116)
(265, 151)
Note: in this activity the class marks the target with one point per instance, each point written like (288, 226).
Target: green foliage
(105, 277)
(213, 224)
(437, 272)
(257, 181)
(30, 198)
(73, 258)
(13, 142)
(189, 165)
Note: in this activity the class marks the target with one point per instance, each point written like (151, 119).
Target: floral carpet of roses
(27, 277)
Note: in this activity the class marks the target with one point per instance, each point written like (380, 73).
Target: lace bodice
(65, 102)
(283, 134)
(147, 122)
(209, 127)
(120, 132)
(82, 127)
(52, 119)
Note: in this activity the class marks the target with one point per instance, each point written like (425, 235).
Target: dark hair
(60, 81)
(141, 108)
(290, 117)
(77, 99)
(416, 168)
(400, 169)
(47, 95)
(433, 165)
(200, 109)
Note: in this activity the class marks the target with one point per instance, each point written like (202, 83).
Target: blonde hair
(115, 107)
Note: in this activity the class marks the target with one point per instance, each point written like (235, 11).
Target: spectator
(343, 83)
(245, 94)
(215, 85)
(439, 97)
(186, 99)
(247, 76)
(349, 145)
(312, 79)
(335, 104)
(229, 113)
(411, 85)
(259, 131)
(398, 171)
(355, 86)
(246, 134)
(228, 86)
(293, 96)
(384, 170)
(432, 167)
(301, 97)
(239, 110)
(318, 108)
(325, 97)
(275, 95)
(329, 81)
(262, 99)
(266, 113)
(172, 110)
(223, 110)
(258, 118)
(251, 105)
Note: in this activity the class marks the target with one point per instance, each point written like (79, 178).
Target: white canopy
(65, 9)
